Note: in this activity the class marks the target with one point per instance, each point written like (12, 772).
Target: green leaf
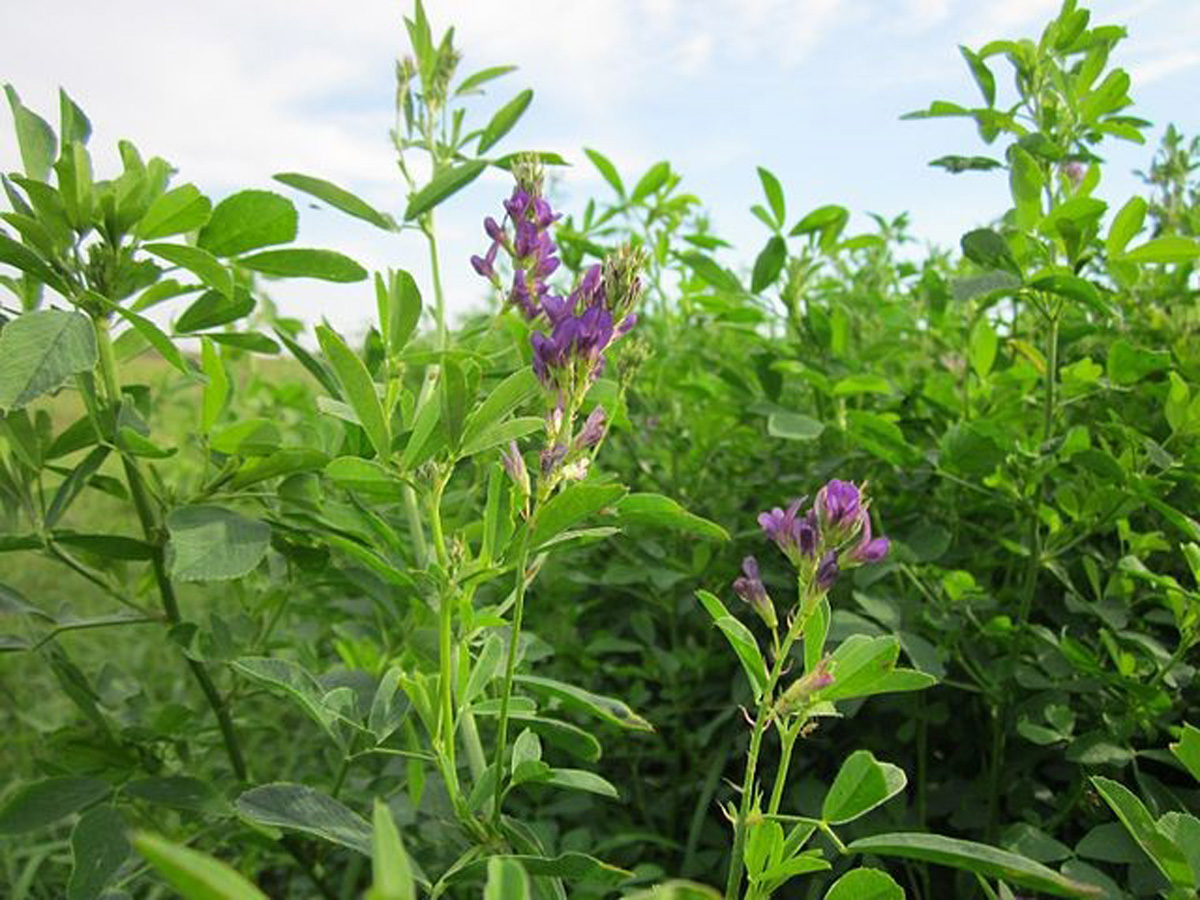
(482, 77)
(506, 880)
(1125, 225)
(1129, 364)
(74, 483)
(1187, 749)
(774, 191)
(339, 198)
(794, 426)
(982, 75)
(581, 780)
(828, 221)
(656, 176)
(175, 212)
(500, 433)
(399, 302)
(769, 264)
(989, 250)
(300, 808)
(18, 255)
(444, 184)
(365, 477)
(295, 262)
(575, 867)
(958, 164)
(74, 170)
(72, 121)
(610, 709)
(1169, 249)
(1025, 183)
(178, 792)
(663, 512)
(216, 391)
(1142, 827)
(740, 639)
(98, 848)
(862, 784)
(195, 875)
(212, 308)
(292, 680)
(198, 261)
(157, 339)
(709, 271)
(858, 662)
(607, 170)
(40, 350)
(389, 707)
(676, 890)
(862, 383)
(504, 120)
(44, 802)
(574, 503)
(393, 877)
(983, 346)
(865, 884)
(972, 857)
(248, 220)
(210, 543)
(359, 389)
(519, 387)
(35, 137)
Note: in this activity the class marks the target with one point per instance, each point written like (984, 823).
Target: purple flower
(795, 536)
(868, 550)
(838, 506)
(802, 691)
(828, 571)
(486, 265)
(531, 248)
(593, 429)
(552, 457)
(751, 589)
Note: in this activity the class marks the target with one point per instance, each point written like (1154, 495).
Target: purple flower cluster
(532, 250)
(835, 532)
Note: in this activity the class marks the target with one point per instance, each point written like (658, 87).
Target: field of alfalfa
(827, 571)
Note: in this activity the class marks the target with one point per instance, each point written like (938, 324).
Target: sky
(231, 92)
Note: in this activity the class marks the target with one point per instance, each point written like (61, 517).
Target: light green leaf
(195, 875)
(740, 639)
(506, 880)
(294, 262)
(862, 784)
(393, 877)
(198, 261)
(210, 543)
(1125, 225)
(509, 394)
(1142, 827)
(365, 477)
(1187, 749)
(301, 808)
(446, 183)
(610, 709)
(663, 512)
(338, 198)
(656, 176)
(972, 857)
(157, 339)
(1025, 184)
(40, 350)
(359, 389)
(248, 220)
(865, 884)
(581, 780)
(35, 137)
(177, 211)
(216, 391)
(1169, 249)
(607, 170)
(571, 505)
(504, 120)
(794, 426)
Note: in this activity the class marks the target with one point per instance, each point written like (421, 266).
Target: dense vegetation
(459, 611)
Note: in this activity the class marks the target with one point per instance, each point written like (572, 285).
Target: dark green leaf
(325, 265)
(504, 120)
(338, 198)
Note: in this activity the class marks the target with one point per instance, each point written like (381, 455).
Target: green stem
(765, 705)
(166, 589)
(510, 666)
(435, 271)
(787, 740)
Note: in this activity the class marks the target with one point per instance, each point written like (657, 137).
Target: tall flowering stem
(567, 357)
(832, 536)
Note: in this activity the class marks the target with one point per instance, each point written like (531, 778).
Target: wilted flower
(514, 465)
(593, 430)
(802, 691)
(751, 589)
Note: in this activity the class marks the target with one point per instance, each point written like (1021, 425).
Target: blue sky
(231, 92)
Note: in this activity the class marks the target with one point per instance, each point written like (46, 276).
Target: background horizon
(810, 89)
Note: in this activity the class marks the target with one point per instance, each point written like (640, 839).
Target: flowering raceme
(832, 536)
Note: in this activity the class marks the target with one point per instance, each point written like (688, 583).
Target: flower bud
(840, 512)
(514, 465)
(751, 589)
(800, 695)
(593, 430)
